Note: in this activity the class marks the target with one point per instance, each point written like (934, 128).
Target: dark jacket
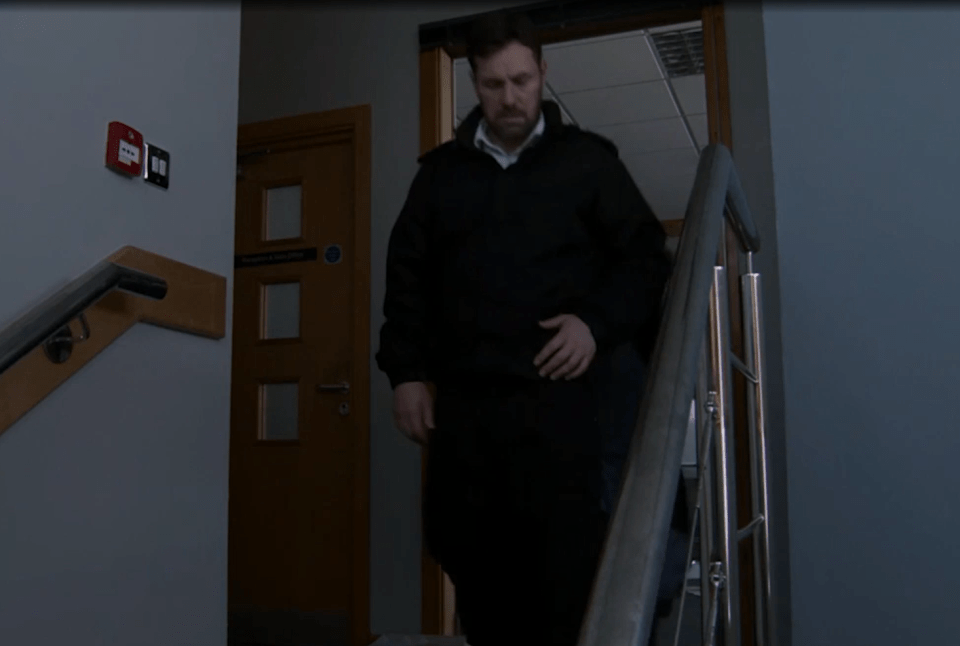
(480, 254)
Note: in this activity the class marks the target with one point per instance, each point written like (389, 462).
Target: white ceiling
(613, 85)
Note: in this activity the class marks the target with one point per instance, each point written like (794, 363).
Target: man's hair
(492, 32)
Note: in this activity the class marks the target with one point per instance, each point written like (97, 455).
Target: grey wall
(113, 492)
(331, 56)
(864, 139)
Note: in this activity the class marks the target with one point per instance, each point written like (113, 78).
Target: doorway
(662, 98)
(298, 563)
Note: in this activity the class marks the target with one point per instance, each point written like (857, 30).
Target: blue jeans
(620, 384)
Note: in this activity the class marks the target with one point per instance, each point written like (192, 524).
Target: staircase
(711, 338)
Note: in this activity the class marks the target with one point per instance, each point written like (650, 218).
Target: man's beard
(515, 132)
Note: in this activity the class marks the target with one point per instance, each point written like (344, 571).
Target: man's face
(509, 85)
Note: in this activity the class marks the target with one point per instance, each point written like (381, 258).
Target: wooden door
(299, 458)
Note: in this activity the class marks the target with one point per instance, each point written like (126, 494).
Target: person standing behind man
(523, 255)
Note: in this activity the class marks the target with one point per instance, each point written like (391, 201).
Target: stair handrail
(625, 588)
(43, 322)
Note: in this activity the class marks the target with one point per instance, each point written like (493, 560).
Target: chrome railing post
(704, 420)
(756, 401)
(625, 587)
(726, 472)
(705, 498)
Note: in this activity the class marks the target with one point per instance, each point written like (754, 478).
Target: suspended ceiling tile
(666, 165)
(665, 204)
(593, 40)
(619, 61)
(682, 26)
(594, 109)
(464, 97)
(666, 195)
(667, 207)
(698, 123)
(647, 136)
(659, 185)
(692, 93)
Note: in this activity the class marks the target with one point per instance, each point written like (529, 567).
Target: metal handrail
(49, 317)
(624, 593)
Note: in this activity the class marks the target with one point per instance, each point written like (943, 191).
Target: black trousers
(511, 506)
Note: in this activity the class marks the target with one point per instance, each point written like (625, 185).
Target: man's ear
(543, 67)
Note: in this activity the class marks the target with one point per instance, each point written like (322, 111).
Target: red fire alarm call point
(124, 149)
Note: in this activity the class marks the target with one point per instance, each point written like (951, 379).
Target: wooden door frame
(307, 131)
(436, 127)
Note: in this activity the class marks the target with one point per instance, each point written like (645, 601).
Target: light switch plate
(156, 166)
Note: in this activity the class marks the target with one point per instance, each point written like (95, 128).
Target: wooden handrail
(195, 303)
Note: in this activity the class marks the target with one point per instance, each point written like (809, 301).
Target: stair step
(419, 640)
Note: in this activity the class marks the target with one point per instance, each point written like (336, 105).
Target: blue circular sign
(332, 254)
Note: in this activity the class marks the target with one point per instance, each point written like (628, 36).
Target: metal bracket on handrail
(718, 581)
(47, 324)
(59, 347)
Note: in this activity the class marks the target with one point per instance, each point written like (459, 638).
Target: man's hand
(413, 410)
(569, 353)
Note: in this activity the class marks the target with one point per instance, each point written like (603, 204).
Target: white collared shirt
(483, 142)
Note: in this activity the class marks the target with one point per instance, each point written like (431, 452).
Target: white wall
(330, 56)
(864, 133)
(113, 492)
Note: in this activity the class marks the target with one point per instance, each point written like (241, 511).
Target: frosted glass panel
(279, 414)
(281, 311)
(283, 213)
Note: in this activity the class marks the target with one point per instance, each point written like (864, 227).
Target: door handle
(343, 388)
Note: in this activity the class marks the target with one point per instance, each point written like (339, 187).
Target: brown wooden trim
(673, 228)
(306, 131)
(195, 303)
(436, 127)
(297, 131)
(436, 99)
(621, 25)
(718, 87)
(362, 178)
(196, 299)
(596, 29)
(450, 625)
(590, 28)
